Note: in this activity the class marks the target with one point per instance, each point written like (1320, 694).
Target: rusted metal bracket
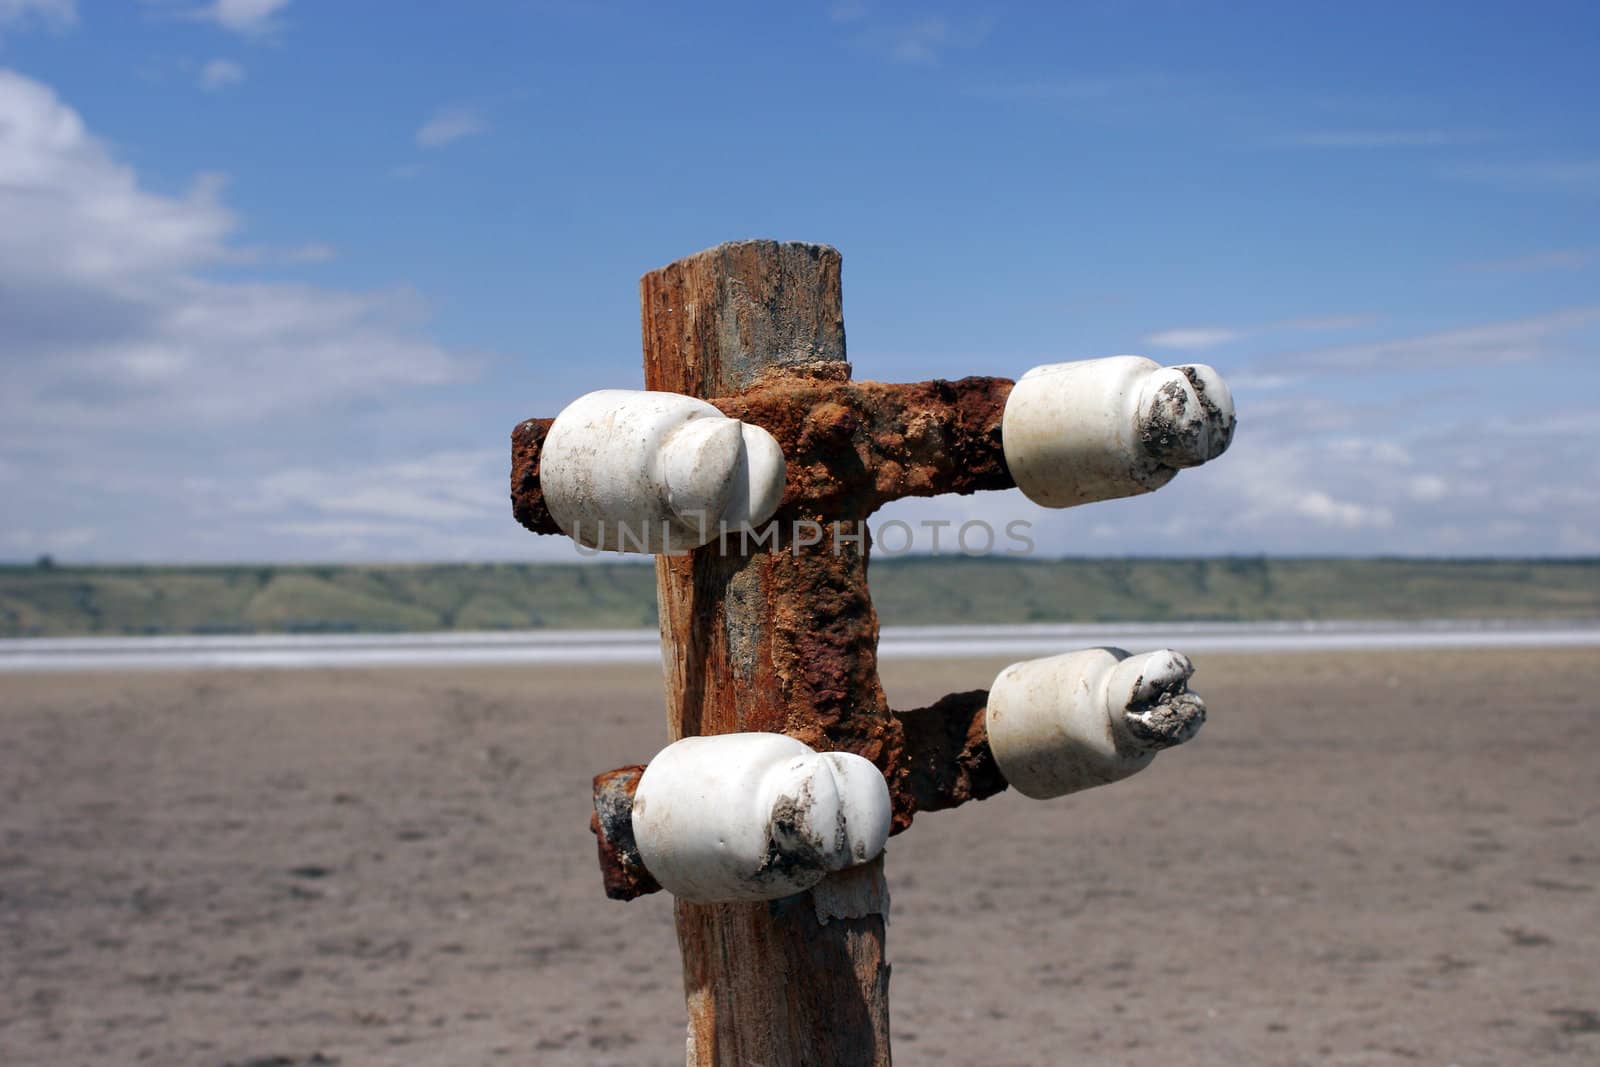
(942, 759)
(612, 825)
(850, 447)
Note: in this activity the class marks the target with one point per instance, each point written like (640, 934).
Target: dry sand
(1362, 860)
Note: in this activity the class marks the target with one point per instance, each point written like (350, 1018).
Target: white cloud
(219, 74)
(1429, 487)
(249, 17)
(1366, 450)
(57, 13)
(141, 393)
(1199, 338)
(447, 504)
(450, 124)
(1375, 477)
(75, 216)
(1319, 506)
(109, 277)
(1289, 484)
(445, 485)
(1379, 138)
(1516, 341)
(1194, 337)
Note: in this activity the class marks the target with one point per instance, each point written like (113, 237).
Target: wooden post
(779, 640)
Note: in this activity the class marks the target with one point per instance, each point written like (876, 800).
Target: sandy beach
(1388, 858)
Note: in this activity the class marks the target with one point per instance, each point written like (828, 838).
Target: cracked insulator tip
(1100, 429)
(755, 816)
(1159, 709)
(1070, 722)
(639, 471)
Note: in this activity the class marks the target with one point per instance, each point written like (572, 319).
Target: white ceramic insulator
(755, 816)
(1069, 722)
(635, 471)
(1106, 428)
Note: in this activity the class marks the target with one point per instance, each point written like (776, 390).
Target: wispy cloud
(441, 504)
(57, 541)
(219, 74)
(424, 487)
(922, 41)
(450, 124)
(1516, 341)
(252, 18)
(1572, 175)
(1554, 259)
(57, 13)
(311, 252)
(919, 42)
(1200, 338)
(1321, 322)
(1379, 138)
(253, 255)
(1194, 337)
(1260, 382)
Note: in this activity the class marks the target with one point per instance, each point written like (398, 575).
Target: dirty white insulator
(755, 816)
(635, 471)
(1106, 428)
(1069, 722)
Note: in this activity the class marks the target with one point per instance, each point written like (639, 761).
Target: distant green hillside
(189, 600)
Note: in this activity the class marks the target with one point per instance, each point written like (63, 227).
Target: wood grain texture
(769, 639)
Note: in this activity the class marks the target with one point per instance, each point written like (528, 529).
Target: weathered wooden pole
(764, 640)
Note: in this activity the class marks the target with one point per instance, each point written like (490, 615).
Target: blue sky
(277, 278)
